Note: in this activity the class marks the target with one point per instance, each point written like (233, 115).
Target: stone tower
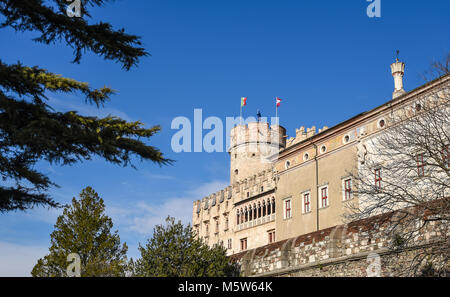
(398, 70)
(253, 147)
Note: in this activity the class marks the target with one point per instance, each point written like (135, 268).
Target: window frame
(287, 211)
(346, 138)
(271, 236)
(420, 163)
(304, 202)
(217, 226)
(287, 164)
(324, 198)
(347, 193)
(378, 178)
(381, 123)
(244, 244)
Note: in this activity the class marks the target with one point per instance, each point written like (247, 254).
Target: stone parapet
(342, 249)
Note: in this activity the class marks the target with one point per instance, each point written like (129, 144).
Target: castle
(304, 187)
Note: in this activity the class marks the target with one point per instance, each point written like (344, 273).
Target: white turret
(398, 70)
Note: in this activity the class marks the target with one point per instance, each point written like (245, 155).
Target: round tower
(253, 147)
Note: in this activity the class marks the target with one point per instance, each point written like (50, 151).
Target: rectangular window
(217, 226)
(378, 178)
(229, 244)
(420, 165)
(243, 244)
(348, 189)
(287, 209)
(306, 203)
(324, 196)
(271, 236)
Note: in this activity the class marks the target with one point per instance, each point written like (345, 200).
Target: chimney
(398, 70)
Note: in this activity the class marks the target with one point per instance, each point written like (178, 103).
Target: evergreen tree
(84, 229)
(31, 130)
(174, 251)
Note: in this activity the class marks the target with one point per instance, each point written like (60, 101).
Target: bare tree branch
(405, 173)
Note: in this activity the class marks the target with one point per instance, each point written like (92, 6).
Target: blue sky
(326, 59)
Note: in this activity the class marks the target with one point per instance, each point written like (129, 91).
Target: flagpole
(276, 111)
(240, 118)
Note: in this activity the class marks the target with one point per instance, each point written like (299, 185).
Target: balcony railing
(256, 222)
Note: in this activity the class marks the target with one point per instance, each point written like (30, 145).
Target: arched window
(273, 205)
(242, 216)
(246, 214)
(255, 215)
(264, 208)
(259, 209)
(269, 207)
(250, 213)
(237, 216)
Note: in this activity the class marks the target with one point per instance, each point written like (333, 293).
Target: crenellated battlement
(257, 132)
(251, 148)
(301, 134)
(210, 206)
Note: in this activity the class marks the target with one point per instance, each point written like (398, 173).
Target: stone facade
(306, 186)
(243, 210)
(344, 250)
(250, 146)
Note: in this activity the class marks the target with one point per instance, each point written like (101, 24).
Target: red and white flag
(243, 101)
(278, 101)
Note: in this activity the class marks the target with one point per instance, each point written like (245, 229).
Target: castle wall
(345, 148)
(345, 250)
(243, 195)
(300, 179)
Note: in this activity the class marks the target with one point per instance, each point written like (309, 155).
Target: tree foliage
(49, 19)
(174, 251)
(31, 130)
(84, 229)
